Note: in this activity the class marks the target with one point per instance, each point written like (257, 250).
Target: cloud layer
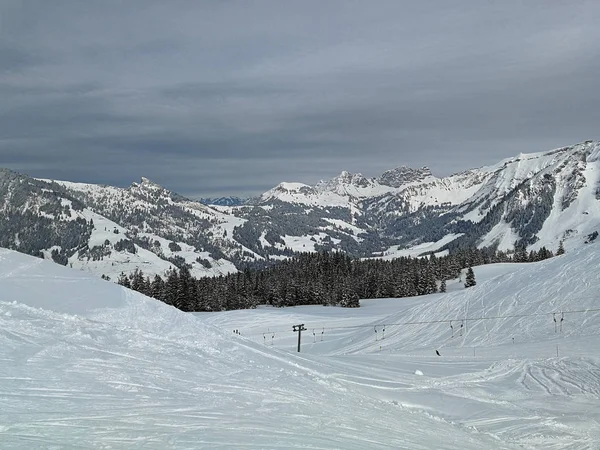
(232, 97)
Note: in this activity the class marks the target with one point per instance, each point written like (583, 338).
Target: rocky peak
(403, 175)
(342, 180)
(147, 183)
(147, 186)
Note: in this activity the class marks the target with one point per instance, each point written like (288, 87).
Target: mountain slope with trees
(527, 202)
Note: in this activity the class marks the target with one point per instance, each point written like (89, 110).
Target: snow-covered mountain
(538, 199)
(107, 230)
(535, 199)
(90, 364)
(223, 201)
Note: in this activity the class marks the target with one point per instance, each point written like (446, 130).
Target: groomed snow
(88, 364)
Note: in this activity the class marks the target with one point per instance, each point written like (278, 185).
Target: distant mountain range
(536, 199)
(223, 201)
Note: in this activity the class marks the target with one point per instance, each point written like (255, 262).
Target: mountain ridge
(535, 199)
(230, 200)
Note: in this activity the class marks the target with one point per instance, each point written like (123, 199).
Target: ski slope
(89, 364)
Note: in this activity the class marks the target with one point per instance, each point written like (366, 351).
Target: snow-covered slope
(510, 300)
(543, 197)
(88, 364)
(506, 369)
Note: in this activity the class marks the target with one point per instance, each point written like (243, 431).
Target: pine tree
(183, 300)
(157, 288)
(443, 286)
(348, 298)
(561, 248)
(470, 278)
(124, 280)
(520, 254)
(431, 281)
(137, 280)
(171, 288)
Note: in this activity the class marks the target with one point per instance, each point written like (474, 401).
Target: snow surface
(352, 229)
(89, 364)
(396, 251)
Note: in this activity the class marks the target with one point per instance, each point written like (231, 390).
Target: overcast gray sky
(231, 97)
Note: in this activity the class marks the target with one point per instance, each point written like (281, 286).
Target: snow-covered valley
(89, 364)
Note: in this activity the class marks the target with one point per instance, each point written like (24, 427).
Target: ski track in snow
(187, 399)
(92, 365)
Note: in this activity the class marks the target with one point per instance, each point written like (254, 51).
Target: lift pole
(299, 328)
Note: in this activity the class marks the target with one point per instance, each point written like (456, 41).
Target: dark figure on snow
(437, 353)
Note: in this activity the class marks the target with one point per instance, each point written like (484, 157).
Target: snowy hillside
(87, 363)
(538, 198)
(510, 300)
(107, 230)
(152, 214)
(498, 373)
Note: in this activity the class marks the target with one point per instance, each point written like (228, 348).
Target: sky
(230, 97)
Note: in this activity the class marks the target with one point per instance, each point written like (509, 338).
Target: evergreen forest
(326, 278)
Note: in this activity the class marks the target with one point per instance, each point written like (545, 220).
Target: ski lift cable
(466, 319)
(463, 319)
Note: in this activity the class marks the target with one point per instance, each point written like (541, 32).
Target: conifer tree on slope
(124, 280)
(157, 288)
(443, 285)
(470, 278)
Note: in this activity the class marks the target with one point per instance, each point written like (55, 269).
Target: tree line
(329, 279)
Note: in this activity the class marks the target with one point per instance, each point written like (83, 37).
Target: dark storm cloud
(233, 97)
